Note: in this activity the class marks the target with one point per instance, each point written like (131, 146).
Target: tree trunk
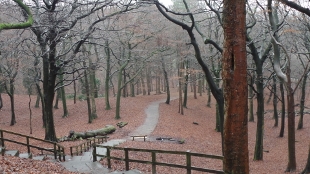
(87, 91)
(236, 156)
(124, 82)
(11, 95)
(166, 80)
(181, 111)
(92, 89)
(218, 121)
(302, 101)
(199, 84)
(194, 79)
(118, 96)
(57, 99)
(275, 102)
(148, 80)
(107, 76)
(42, 103)
(209, 97)
(282, 110)
(1, 101)
(74, 89)
(270, 96)
(258, 153)
(307, 168)
(37, 105)
(63, 94)
(291, 166)
(119, 86)
(143, 84)
(251, 96)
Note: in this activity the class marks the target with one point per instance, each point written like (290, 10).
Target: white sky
(166, 2)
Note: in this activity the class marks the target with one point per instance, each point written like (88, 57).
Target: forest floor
(201, 138)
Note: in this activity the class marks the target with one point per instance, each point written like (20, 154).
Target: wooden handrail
(87, 144)
(58, 149)
(153, 161)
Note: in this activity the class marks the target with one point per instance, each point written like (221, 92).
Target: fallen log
(108, 129)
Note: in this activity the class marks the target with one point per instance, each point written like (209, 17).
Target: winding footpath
(84, 164)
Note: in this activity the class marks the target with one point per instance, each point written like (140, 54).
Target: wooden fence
(153, 162)
(57, 150)
(78, 149)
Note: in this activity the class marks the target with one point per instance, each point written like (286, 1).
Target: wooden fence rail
(57, 150)
(78, 149)
(153, 162)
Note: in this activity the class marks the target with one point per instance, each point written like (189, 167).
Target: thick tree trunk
(291, 166)
(236, 156)
(258, 153)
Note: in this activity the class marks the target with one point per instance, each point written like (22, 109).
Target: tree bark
(57, 99)
(1, 101)
(185, 66)
(107, 76)
(10, 92)
(302, 101)
(291, 166)
(307, 168)
(166, 80)
(282, 110)
(236, 156)
(275, 103)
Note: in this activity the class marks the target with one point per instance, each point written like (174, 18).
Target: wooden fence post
(153, 162)
(94, 153)
(188, 162)
(55, 151)
(71, 153)
(108, 158)
(28, 147)
(63, 154)
(126, 159)
(59, 152)
(2, 140)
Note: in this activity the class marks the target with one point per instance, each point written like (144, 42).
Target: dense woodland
(234, 50)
